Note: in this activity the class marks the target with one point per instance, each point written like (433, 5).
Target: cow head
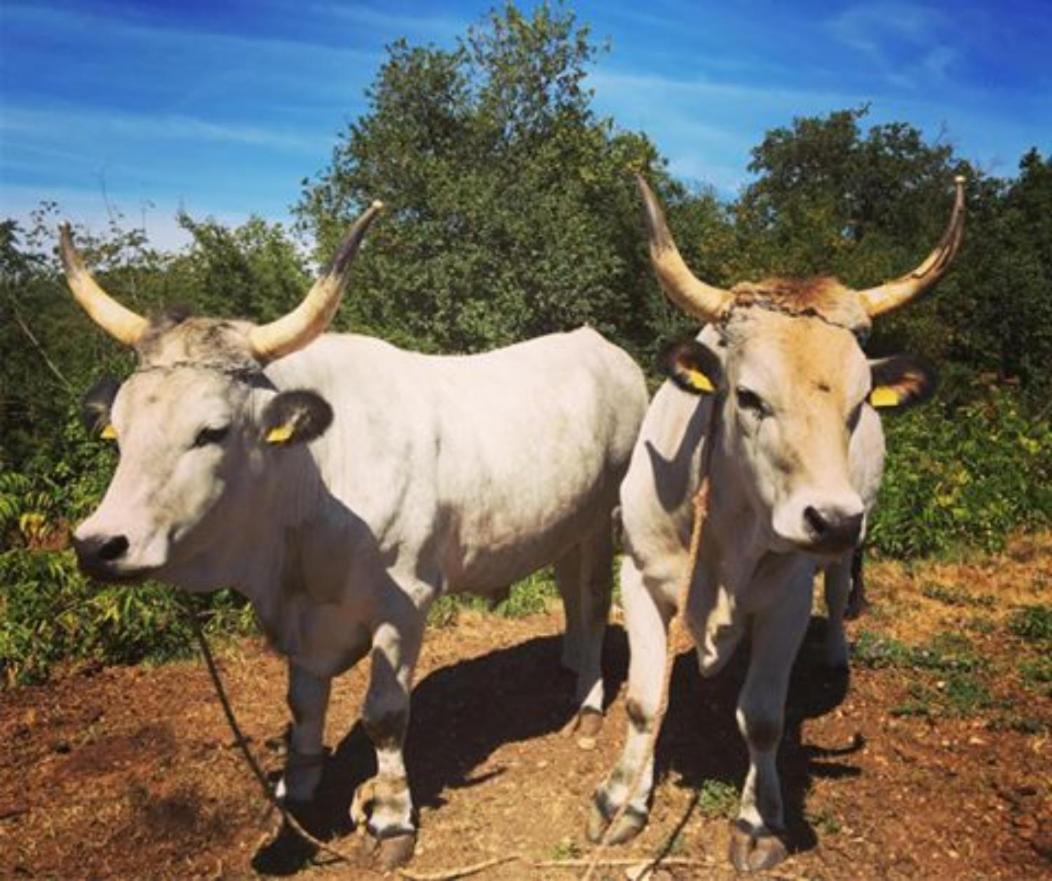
(197, 423)
(784, 361)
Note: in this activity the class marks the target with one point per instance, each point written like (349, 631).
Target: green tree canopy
(512, 212)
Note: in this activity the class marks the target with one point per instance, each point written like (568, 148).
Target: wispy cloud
(903, 42)
(437, 27)
(155, 127)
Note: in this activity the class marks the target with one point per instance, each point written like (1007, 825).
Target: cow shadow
(463, 713)
(460, 715)
(700, 740)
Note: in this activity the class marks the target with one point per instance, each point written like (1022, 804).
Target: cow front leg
(647, 625)
(384, 803)
(777, 631)
(837, 581)
(308, 700)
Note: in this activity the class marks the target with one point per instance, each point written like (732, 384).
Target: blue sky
(224, 107)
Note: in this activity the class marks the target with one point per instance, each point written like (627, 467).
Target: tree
(511, 210)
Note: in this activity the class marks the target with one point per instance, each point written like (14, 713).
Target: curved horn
(685, 290)
(893, 294)
(312, 316)
(119, 322)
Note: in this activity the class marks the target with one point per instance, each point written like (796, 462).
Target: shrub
(963, 479)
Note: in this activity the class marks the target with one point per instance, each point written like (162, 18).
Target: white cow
(342, 484)
(774, 403)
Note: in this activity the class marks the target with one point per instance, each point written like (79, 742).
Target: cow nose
(833, 527)
(104, 549)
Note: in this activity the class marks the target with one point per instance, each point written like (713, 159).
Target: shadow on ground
(463, 713)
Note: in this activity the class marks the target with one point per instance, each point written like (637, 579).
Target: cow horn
(692, 295)
(312, 316)
(893, 294)
(119, 322)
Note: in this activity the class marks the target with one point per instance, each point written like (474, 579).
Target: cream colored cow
(774, 403)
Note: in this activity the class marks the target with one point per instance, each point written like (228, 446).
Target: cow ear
(692, 366)
(901, 381)
(95, 408)
(295, 417)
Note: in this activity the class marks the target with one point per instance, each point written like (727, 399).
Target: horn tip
(377, 205)
(960, 179)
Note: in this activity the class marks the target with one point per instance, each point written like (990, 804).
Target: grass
(824, 820)
(943, 653)
(717, 798)
(567, 849)
(1032, 624)
(527, 597)
(954, 596)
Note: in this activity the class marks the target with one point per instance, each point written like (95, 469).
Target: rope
(701, 504)
(242, 743)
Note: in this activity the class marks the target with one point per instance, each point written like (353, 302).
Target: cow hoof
(589, 724)
(396, 851)
(755, 852)
(391, 852)
(627, 826)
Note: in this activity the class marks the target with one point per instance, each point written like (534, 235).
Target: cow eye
(749, 400)
(208, 436)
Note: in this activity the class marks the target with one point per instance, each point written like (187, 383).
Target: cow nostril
(112, 548)
(815, 520)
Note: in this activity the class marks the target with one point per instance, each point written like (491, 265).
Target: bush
(50, 613)
(965, 478)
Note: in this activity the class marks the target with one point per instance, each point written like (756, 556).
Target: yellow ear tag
(280, 433)
(698, 379)
(109, 432)
(884, 396)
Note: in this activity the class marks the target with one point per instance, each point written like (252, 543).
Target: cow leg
(585, 574)
(385, 717)
(837, 580)
(568, 579)
(857, 602)
(647, 625)
(776, 634)
(308, 699)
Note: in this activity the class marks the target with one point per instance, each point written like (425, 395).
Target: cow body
(437, 474)
(772, 406)
(342, 484)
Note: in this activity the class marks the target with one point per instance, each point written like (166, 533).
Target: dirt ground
(920, 765)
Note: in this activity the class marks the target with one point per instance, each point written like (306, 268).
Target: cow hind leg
(384, 803)
(777, 631)
(837, 582)
(583, 576)
(647, 625)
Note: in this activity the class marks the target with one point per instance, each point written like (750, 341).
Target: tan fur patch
(823, 295)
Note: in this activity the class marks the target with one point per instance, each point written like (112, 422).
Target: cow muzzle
(104, 558)
(832, 529)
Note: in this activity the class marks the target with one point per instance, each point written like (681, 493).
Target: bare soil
(132, 773)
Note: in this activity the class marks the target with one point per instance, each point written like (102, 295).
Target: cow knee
(762, 729)
(386, 729)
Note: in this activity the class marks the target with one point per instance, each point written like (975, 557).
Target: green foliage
(963, 478)
(511, 210)
(1033, 624)
(955, 596)
(945, 653)
(527, 597)
(50, 613)
(717, 798)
